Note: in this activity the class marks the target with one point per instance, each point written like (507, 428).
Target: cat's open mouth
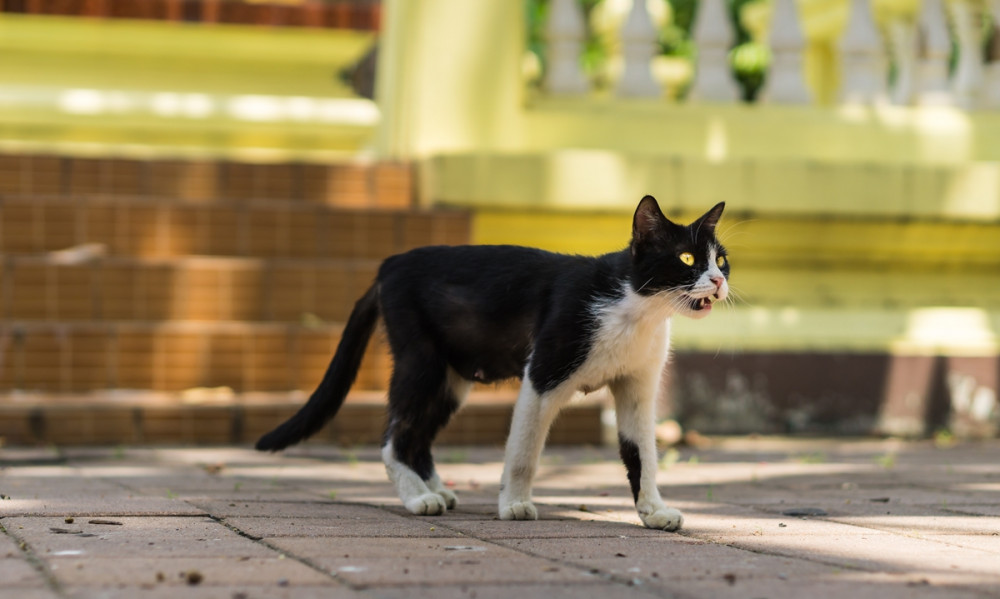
(703, 303)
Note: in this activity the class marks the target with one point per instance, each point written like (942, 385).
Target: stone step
(83, 356)
(110, 289)
(267, 229)
(352, 184)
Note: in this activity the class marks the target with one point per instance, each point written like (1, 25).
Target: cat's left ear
(711, 218)
(648, 224)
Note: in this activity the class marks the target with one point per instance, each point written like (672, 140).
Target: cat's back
(483, 266)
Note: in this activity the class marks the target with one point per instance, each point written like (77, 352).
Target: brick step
(349, 184)
(175, 356)
(41, 288)
(268, 229)
(111, 420)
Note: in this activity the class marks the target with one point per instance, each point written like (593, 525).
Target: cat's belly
(490, 365)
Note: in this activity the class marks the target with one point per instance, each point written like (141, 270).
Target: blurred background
(194, 192)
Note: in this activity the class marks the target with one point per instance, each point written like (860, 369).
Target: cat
(459, 315)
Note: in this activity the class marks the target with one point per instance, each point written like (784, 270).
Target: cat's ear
(711, 218)
(648, 224)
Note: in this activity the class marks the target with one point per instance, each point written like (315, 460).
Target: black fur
(629, 453)
(480, 312)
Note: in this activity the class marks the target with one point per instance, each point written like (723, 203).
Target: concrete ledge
(119, 418)
(603, 180)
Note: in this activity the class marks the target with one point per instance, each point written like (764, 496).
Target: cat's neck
(630, 308)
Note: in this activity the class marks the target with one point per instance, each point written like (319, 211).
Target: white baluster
(903, 46)
(564, 37)
(992, 75)
(712, 35)
(968, 80)
(933, 70)
(785, 83)
(864, 64)
(638, 37)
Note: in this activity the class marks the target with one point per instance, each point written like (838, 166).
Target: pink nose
(718, 281)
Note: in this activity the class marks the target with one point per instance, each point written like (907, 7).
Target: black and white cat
(564, 324)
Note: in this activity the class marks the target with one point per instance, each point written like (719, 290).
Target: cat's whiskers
(648, 281)
(735, 296)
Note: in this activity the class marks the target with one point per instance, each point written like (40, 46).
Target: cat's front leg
(637, 444)
(533, 415)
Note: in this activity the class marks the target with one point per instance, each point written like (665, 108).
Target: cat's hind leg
(423, 394)
(635, 410)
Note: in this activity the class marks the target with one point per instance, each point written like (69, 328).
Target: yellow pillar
(448, 76)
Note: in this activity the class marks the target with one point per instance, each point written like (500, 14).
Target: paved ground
(887, 520)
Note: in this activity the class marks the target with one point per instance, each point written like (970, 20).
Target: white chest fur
(633, 334)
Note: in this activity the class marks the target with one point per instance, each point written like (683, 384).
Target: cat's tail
(329, 396)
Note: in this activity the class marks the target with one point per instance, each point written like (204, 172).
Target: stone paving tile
(672, 557)
(8, 545)
(989, 543)
(992, 510)
(487, 509)
(136, 537)
(174, 571)
(387, 526)
(444, 567)
(313, 473)
(312, 508)
(377, 495)
(927, 522)
(238, 494)
(242, 591)
(62, 492)
(879, 552)
(563, 590)
(36, 594)
(539, 529)
(775, 527)
(16, 571)
(399, 548)
(855, 588)
(194, 485)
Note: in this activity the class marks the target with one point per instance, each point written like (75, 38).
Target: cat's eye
(721, 261)
(687, 258)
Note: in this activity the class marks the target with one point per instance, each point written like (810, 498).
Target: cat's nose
(718, 281)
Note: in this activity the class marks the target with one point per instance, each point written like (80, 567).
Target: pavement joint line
(590, 571)
(37, 563)
(287, 554)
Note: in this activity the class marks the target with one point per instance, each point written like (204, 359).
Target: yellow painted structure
(154, 88)
(850, 228)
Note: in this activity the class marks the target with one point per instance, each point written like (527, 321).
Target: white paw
(519, 510)
(450, 499)
(429, 504)
(663, 518)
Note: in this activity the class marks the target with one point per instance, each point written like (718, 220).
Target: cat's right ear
(648, 225)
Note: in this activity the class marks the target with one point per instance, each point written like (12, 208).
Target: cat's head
(685, 264)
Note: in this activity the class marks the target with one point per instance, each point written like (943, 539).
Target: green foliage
(887, 461)
(749, 59)
(536, 12)
(675, 37)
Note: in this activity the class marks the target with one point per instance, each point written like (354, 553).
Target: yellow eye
(721, 261)
(687, 258)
